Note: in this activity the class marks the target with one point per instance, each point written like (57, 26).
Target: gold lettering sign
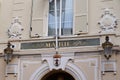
(64, 43)
(61, 44)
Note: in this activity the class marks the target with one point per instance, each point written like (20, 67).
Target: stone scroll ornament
(108, 22)
(15, 30)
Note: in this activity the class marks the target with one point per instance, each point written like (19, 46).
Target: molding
(17, 9)
(26, 61)
(66, 65)
(106, 0)
(95, 65)
(45, 38)
(70, 68)
(75, 71)
(18, 3)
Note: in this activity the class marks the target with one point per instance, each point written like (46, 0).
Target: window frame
(45, 16)
(60, 20)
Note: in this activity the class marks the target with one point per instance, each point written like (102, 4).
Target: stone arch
(44, 69)
(75, 71)
(70, 68)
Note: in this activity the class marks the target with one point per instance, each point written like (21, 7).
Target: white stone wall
(22, 9)
(88, 62)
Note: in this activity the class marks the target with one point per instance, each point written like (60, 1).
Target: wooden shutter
(81, 18)
(38, 11)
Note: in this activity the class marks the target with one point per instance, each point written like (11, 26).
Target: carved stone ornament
(15, 30)
(58, 61)
(108, 22)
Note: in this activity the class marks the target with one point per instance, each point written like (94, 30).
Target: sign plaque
(61, 43)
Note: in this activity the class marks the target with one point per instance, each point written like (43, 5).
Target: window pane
(51, 29)
(67, 17)
(51, 5)
(51, 20)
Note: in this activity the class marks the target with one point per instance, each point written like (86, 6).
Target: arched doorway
(71, 70)
(57, 75)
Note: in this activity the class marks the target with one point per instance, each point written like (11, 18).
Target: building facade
(59, 39)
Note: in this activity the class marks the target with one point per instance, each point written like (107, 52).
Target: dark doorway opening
(58, 75)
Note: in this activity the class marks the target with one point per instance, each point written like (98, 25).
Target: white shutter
(37, 18)
(81, 16)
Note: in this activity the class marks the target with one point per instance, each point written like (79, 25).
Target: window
(46, 16)
(60, 16)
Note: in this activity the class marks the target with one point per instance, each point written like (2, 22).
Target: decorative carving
(57, 61)
(108, 22)
(15, 30)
